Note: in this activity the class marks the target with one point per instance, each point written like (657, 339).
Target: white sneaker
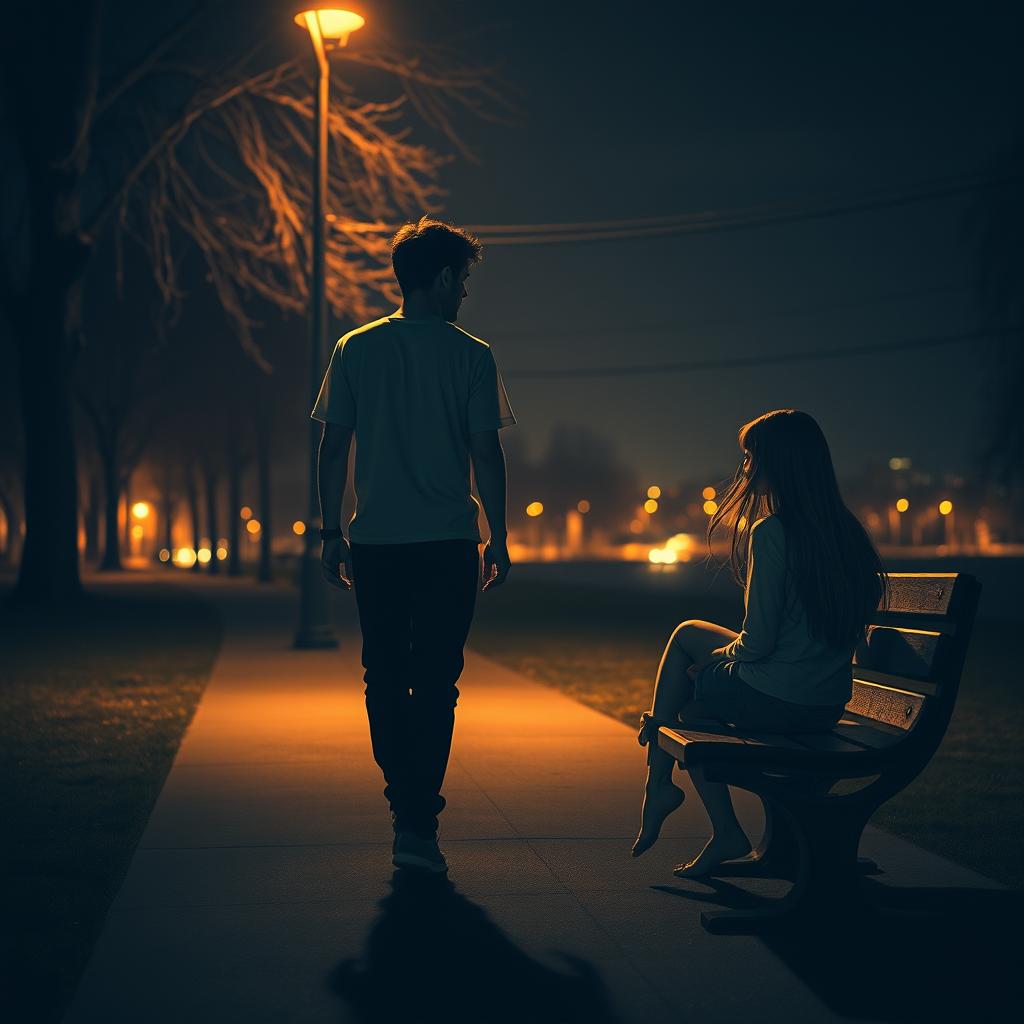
(411, 851)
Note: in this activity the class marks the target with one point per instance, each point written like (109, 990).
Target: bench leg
(778, 853)
(827, 885)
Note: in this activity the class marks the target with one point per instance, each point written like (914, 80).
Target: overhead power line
(703, 222)
(777, 359)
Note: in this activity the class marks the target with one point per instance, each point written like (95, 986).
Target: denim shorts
(720, 695)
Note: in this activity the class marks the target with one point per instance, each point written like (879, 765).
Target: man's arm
(489, 470)
(331, 475)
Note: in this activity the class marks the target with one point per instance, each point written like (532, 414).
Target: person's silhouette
(475, 973)
(423, 400)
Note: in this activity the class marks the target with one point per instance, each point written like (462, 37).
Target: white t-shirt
(413, 391)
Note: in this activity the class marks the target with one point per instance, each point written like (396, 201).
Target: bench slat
(912, 653)
(829, 742)
(893, 707)
(867, 732)
(921, 593)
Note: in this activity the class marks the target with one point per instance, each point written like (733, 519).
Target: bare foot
(659, 802)
(719, 849)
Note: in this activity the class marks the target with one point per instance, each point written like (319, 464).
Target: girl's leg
(728, 840)
(691, 642)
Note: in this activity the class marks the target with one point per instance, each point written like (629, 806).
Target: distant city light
(945, 507)
(185, 557)
(583, 507)
(222, 553)
(140, 510)
(204, 555)
(680, 542)
(298, 527)
(902, 505)
(650, 506)
(710, 507)
(661, 556)
(253, 526)
(709, 493)
(164, 555)
(245, 512)
(534, 509)
(138, 532)
(899, 463)
(654, 491)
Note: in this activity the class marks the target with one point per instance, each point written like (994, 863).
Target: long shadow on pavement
(434, 954)
(922, 954)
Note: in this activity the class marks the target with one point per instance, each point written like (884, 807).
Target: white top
(775, 651)
(413, 391)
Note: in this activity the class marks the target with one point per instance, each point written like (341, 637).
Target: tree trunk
(50, 70)
(234, 503)
(7, 555)
(193, 508)
(266, 569)
(49, 562)
(168, 514)
(126, 487)
(92, 522)
(211, 519)
(112, 494)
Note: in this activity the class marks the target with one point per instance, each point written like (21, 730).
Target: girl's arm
(764, 598)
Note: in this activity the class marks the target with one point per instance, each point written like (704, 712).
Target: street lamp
(329, 28)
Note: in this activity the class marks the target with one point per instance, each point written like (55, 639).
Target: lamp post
(329, 28)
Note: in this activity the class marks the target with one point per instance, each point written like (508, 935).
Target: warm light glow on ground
(140, 510)
(298, 527)
(534, 509)
(138, 532)
(654, 491)
(583, 507)
(222, 553)
(710, 507)
(204, 555)
(246, 512)
(650, 506)
(253, 526)
(709, 494)
(165, 555)
(185, 557)
(945, 507)
(902, 505)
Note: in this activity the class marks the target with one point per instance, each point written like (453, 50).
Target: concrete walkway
(262, 890)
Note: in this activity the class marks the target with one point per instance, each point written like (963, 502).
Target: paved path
(262, 890)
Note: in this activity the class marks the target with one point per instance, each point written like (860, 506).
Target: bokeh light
(902, 505)
(534, 509)
(945, 507)
(709, 494)
(253, 526)
(650, 506)
(654, 491)
(245, 512)
(710, 507)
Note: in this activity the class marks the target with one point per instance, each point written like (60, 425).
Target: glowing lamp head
(329, 25)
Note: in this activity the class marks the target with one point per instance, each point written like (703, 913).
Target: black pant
(415, 607)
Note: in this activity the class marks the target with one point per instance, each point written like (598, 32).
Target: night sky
(637, 111)
(648, 110)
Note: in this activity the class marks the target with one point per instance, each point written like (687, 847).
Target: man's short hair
(421, 250)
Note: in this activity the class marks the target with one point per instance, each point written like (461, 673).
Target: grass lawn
(602, 647)
(93, 705)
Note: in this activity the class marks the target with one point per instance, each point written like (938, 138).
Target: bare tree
(247, 129)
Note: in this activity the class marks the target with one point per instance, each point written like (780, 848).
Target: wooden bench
(820, 789)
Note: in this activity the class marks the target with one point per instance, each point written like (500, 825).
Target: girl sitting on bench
(812, 579)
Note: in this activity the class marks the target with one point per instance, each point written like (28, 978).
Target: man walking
(423, 400)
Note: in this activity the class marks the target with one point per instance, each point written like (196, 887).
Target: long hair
(787, 472)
